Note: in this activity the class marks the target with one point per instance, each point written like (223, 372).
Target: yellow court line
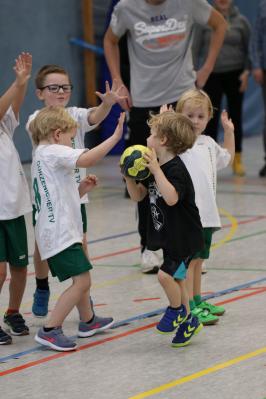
(231, 233)
(199, 374)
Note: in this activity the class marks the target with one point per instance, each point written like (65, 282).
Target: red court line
(108, 339)
(259, 291)
(145, 299)
(80, 348)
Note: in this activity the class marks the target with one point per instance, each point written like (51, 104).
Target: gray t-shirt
(159, 45)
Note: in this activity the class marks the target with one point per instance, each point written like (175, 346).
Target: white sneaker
(204, 268)
(150, 262)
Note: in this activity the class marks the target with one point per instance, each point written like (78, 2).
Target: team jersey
(15, 197)
(56, 198)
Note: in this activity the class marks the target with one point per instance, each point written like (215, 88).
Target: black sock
(42, 283)
(48, 329)
(90, 320)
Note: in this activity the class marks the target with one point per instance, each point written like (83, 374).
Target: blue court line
(139, 317)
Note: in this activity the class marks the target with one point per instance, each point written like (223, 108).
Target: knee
(162, 277)
(3, 276)
(85, 282)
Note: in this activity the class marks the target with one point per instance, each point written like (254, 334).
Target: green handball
(132, 162)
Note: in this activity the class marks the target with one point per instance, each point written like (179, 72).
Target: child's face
(154, 141)
(49, 97)
(199, 116)
(66, 138)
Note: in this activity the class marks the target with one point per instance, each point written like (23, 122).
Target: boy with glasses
(53, 88)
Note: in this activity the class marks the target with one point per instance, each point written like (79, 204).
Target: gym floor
(132, 361)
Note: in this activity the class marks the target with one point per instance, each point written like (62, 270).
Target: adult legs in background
(214, 89)
(262, 172)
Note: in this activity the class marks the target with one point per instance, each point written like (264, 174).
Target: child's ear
(39, 94)
(56, 135)
(163, 140)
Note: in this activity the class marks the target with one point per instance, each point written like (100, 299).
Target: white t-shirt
(80, 115)
(56, 198)
(14, 193)
(203, 161)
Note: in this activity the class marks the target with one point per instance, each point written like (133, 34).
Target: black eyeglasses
(55, 88)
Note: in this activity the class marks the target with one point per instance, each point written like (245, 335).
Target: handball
(132, 162)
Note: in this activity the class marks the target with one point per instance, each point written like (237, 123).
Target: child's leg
(171, 288)
(41, 266)
(3, 274)
(175, 313)
(17, 286)
(12, 318)
(184, 295)
(42, 293)
(69, 299)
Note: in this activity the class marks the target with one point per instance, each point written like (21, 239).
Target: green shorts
(205, 252)
(13, 242)
(83, 216)
(71, 262)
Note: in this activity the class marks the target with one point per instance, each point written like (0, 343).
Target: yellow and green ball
(132, 162)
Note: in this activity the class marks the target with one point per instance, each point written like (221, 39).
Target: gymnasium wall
(43, 27)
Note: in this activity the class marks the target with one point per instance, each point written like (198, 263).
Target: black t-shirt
(176, 229)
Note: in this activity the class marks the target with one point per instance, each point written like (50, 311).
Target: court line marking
(137, 318)
(199, 374)
(231, 233)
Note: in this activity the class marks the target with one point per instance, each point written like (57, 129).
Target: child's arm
(9, 97)
(166, 189)
(22, 69)
(229, 135)
(92, 156)
(137, 192)
(87, 184)
(109, 98)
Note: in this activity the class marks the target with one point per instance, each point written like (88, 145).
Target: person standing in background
(230, 73)
(159, 38)
(258, 59)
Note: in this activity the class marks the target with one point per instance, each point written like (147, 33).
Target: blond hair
(48, 120)
(197, 98)
(177, 129)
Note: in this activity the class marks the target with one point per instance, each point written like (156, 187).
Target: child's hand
(118, 133)
(227, 123)
(151, 160)
(22, 68)
(87, 184)
(165, 108)
(113, 95)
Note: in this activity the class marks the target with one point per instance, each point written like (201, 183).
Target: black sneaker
(262, 172)
(5, 339)
(16, 324)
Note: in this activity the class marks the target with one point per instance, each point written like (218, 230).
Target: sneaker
(150, 262)
(5, 339)
(213, 309)
(204, 316)
(55, 339)
(262, 172)
(186, 331)
(40, 302)
(16, 324)
(98, 324)
(171, 320)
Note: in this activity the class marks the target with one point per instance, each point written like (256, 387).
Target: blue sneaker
(98, 324)
(171, 320)
(55, 339)
(186, 331)
(40, 302)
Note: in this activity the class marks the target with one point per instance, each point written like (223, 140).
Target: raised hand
(118, 133)
(113, 95)
(87, 184)
(22, 68)
(151, 160)
(165, 108)
(227, 123)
